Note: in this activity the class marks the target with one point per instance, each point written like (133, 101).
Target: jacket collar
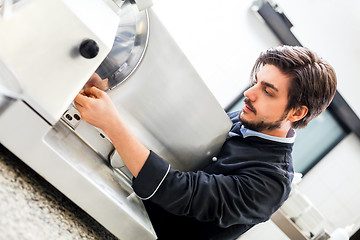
(290, 138)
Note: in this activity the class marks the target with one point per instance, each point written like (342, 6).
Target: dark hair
(313, 80)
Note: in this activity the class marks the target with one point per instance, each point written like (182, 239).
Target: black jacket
(249, 181)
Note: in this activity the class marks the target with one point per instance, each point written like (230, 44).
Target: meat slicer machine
(48, 51)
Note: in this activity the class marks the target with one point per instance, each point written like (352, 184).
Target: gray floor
(31, 208)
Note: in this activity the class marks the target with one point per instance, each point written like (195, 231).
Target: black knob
(89, 49)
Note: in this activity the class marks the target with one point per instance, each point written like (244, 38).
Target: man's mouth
(248, 106)
(248, 109)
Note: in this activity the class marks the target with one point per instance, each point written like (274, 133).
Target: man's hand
(96, 108)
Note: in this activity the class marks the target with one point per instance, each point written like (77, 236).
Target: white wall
(332, 28)
(222, 40)
(333, 185)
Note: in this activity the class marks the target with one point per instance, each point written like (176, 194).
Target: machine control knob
(89, 49)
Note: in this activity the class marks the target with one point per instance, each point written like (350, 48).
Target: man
(251, 176)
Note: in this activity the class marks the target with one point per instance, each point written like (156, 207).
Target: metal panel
(69, 164)
(168, 106)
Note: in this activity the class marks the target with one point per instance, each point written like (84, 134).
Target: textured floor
(31, 208)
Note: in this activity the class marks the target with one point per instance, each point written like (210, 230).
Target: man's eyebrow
(266, 84)
(269, 85)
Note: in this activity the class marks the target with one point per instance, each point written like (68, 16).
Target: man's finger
(93, 92)
(80, 99)
(78, 106)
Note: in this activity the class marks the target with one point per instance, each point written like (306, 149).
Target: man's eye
(267, 92)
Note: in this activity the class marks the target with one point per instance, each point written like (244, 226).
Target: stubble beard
(261, 126)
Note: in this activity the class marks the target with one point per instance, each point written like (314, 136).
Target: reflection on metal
(129, 46)
(117, 163)
(10, 88)
(4, 102)
(10, 85)
(119, 3)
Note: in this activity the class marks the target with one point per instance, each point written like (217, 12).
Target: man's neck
(279, 132)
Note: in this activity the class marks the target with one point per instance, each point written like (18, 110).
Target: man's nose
(250, 94)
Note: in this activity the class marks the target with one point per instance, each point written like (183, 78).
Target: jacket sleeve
(247, 198)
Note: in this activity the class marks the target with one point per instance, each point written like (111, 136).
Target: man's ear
(298, 113)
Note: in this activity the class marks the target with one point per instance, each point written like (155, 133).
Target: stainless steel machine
(48, 51)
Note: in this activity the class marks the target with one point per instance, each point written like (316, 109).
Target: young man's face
(266, 101)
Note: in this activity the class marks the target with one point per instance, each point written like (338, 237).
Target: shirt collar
(290, 138)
